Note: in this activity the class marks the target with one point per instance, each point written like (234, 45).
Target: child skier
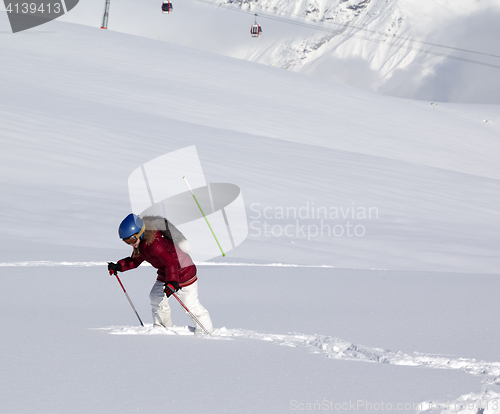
(158, 242)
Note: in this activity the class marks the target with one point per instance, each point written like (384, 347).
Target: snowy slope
(82, 108)
(420, 180)
(64, 358)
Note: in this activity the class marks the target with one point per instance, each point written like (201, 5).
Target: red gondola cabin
(167, 7)
(255, 30)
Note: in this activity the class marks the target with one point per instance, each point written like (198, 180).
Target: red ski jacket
(172, 263)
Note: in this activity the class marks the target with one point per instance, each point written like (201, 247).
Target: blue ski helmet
(132, 224)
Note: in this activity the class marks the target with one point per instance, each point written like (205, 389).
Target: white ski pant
(189, 296)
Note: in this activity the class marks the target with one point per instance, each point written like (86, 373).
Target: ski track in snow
(337, 348)
(87, 264)
(487, 401)
(331, 347)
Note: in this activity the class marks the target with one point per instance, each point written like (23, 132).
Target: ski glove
(171, 287)
(114, 268)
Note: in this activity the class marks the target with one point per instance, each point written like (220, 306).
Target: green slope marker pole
(205, 217)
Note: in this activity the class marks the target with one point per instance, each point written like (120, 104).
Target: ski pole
(205, 217)
(126, 294)
(192, 316)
